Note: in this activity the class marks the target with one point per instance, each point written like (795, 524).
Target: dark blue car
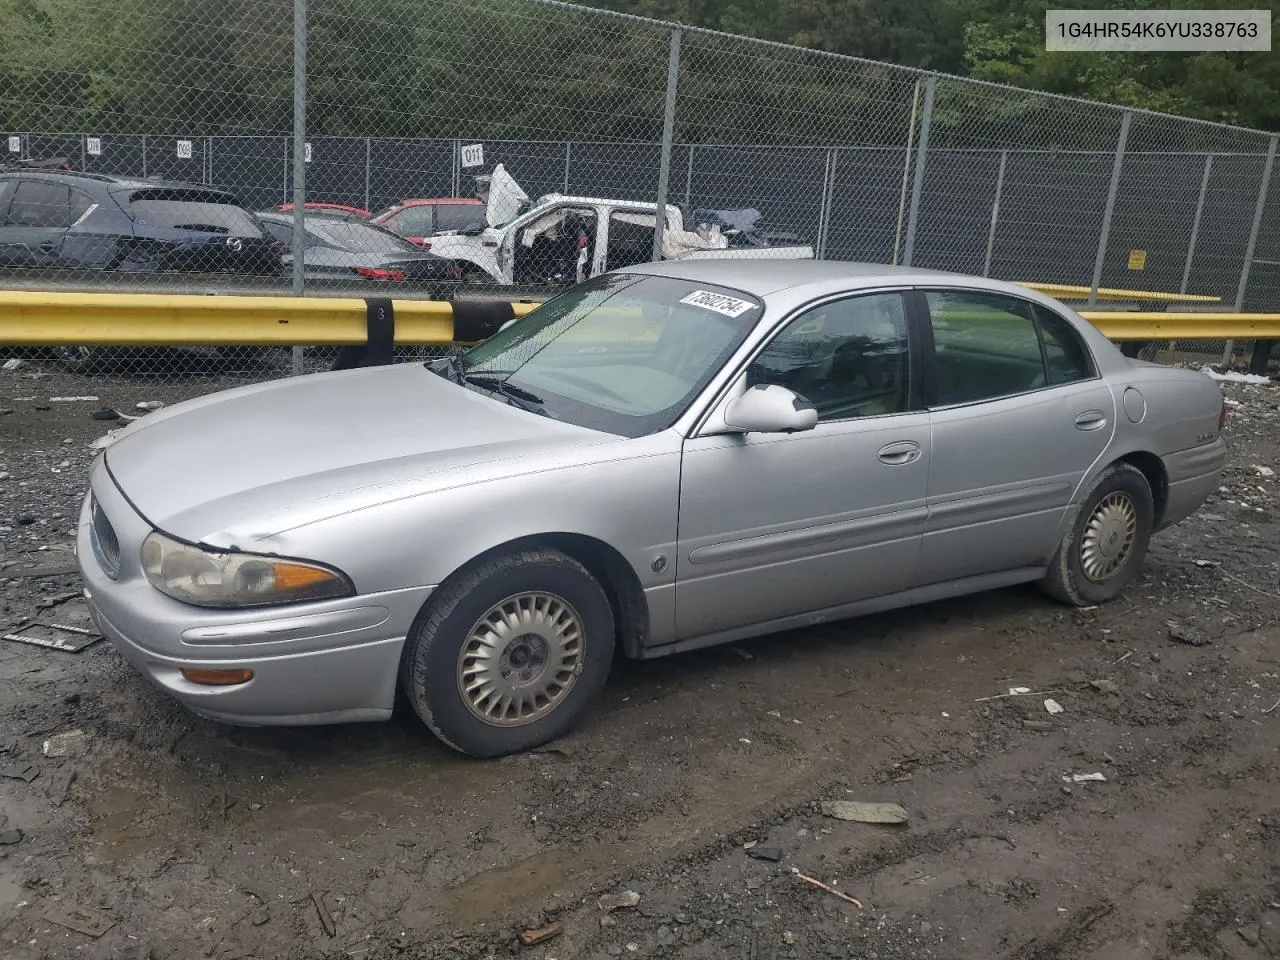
(63, 220)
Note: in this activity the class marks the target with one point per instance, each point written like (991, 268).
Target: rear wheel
(510, 654)
(1104, 549)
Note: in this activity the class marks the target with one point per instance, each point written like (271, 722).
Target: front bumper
(326, 662)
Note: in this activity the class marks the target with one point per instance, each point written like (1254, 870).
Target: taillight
(422, 242)
(374, 273)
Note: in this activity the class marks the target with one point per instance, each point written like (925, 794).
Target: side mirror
(768, 408)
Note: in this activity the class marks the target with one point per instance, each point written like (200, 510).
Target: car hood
(249, 463)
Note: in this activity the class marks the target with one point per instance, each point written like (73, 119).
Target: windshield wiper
(448, 367)
(516, 396)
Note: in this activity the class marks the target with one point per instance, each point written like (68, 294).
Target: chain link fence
(511, 148)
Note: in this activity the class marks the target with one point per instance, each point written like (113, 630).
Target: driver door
(777, 525)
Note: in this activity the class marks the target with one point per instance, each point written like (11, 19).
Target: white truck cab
(561, 239)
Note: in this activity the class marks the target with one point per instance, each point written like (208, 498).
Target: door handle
(1091, 420)
(488, 243)
(904, 451)
(47, 247)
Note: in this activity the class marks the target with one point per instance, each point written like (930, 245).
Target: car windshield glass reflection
(624, 353)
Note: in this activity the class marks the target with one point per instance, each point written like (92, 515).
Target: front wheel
(510, 654)
(1104, 549)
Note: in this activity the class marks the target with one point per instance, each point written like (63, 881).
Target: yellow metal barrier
(1134, 325)
(36, 318)
(1067, 291)
(31, 318)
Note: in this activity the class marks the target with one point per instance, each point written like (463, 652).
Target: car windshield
(624, 353)
(358, 237)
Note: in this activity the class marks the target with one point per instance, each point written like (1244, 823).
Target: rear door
(35, 220)
(1018, 414)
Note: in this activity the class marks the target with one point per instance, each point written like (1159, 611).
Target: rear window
(202, 213)
(359, 237)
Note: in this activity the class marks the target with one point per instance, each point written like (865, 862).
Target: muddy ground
(191, 839)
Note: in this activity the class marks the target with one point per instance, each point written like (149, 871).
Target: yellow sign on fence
(1137, 259)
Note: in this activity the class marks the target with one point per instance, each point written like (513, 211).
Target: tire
(434, 669)
(1087, 569)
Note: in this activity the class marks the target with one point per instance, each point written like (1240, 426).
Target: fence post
(906, 172)
(1195, 223)
(567, 146)
(1258, 209)
(688, 179)
(299, 152)
(668, 129)
(144, 156)
(824, 209)
(917, 183)
(208, 161)
(368, 170)
(1100, 259)
(995, 214)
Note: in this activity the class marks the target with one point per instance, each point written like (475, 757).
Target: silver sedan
(663, 458)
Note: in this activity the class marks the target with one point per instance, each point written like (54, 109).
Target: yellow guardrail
(1069, 291)
(1135, 325)
(32, 319)
(36, 318)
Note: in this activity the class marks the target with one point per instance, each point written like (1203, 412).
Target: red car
(417, 219)
(337, 210)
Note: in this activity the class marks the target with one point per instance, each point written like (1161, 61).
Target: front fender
(469, 250)
(627, 498)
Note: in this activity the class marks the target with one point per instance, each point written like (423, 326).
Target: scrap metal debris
(772, 854)
(827, 887)
(92, 923)
(860, 812)
(531, 938)
(68, 744)
(326, 919)
(610, 902)
(49, 603)
(1053, 707)
(80, 639)
(1086, 778)
(25, 772)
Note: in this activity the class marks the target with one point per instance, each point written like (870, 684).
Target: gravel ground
(191, 839)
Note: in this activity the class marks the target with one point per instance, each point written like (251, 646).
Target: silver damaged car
(663, 458)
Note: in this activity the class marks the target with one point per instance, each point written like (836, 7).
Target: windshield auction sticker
(729, 306)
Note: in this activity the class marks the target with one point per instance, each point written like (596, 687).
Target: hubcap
(1109, 536)
(521, 659)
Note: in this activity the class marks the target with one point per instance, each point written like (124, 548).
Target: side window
(280, 232)
(459, 216)
(986, 346)
(849, 358)
(630, 239)
(81, 204)
(37, 203)
(1067, 357)
(413, 221)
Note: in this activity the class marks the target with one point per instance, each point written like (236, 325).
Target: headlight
(208, 579)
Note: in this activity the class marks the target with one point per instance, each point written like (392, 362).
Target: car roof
(423, 201)
(126, 183)
(761, 275)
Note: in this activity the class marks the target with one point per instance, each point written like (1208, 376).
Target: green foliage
(509, 68)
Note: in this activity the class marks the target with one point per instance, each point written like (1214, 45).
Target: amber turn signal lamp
(208, 677)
